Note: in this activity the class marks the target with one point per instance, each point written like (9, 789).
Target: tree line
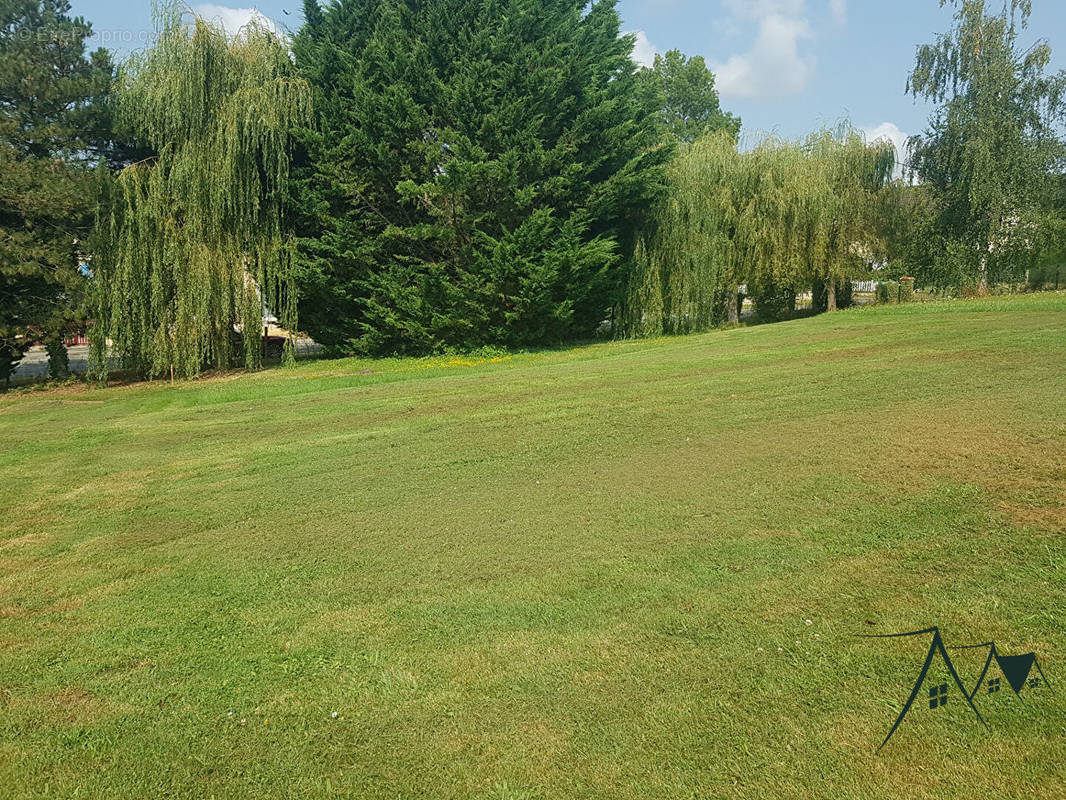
(403, 177)
(772, 219)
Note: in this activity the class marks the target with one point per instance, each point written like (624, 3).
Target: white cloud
(757, 9)
(643, 50)
(233, 19)
(775, 65)
(778, 62)
(891, 132)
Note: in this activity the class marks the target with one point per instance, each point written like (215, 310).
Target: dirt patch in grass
(68, 705)
(1049, 518)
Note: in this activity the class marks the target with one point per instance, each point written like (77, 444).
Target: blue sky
(787, 66)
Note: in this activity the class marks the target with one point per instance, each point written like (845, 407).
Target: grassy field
(629, 570)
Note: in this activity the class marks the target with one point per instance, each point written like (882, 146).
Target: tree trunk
(831, 296)
(982, 278)
(817, 297)
(733, 302)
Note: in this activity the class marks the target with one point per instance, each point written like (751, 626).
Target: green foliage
(781, 215)
(772, 302)
(907, 222)
(991, 147)
(906, 290)
(194, 241)
(1049, 275)
(53, 97)
(851, 173)
(690, 106)
(12, 350)
(58, 361)
(54, 119)
(477, 173)
(682, 262)
(820, 295)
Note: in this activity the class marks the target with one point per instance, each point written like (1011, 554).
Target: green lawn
(582, 573)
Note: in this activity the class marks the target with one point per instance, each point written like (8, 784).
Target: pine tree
(478, 173)
(54, 129)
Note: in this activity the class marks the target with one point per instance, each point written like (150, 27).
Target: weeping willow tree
(787, 226)
(192, 245)
(851, 174)
(775, 217)
(683, 262)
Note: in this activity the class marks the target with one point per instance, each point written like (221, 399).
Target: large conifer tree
(54, 127)
(478, 173)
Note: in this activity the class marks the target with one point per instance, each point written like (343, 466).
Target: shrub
(772, 302)
(906, 290)
(58, 361)
(1047, 276)
(844, 295)
(888, 292)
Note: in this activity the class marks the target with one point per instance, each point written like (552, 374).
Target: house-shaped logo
(999, 673)
(1002, 672)
(938, 694)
